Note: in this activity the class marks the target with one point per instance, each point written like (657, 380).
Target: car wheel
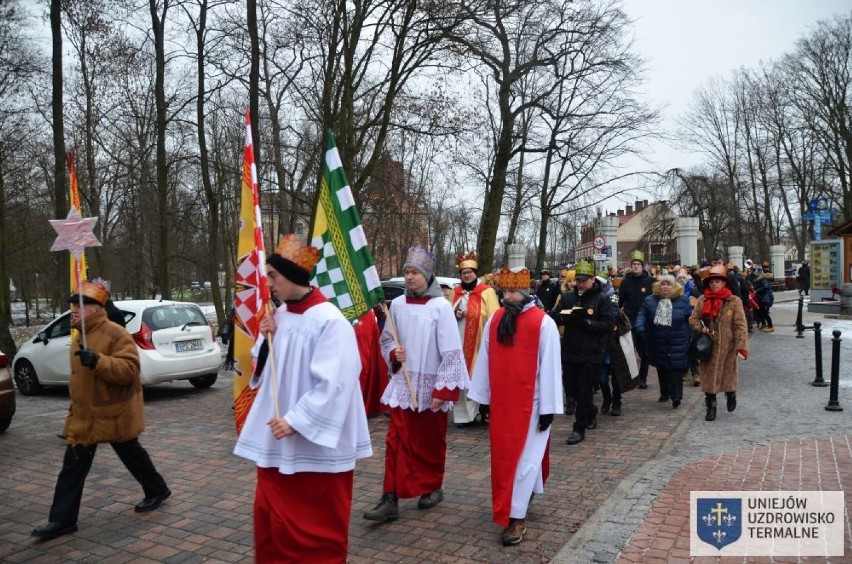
(205, 381)
(26, 379)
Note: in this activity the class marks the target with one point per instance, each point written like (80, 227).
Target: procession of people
(502, 350)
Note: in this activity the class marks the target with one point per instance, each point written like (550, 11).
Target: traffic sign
(600, 256)
(599, 242)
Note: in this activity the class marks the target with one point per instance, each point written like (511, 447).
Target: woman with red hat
(720, 314)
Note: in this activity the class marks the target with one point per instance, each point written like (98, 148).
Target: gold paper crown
(585, 268)
(93, 292)
(467, 259)
(291, 248)
(509, 280)
(637, 255)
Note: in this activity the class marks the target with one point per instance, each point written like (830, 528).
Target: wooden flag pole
(392, 329)
(273, 377)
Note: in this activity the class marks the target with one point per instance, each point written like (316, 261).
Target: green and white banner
(346, 272)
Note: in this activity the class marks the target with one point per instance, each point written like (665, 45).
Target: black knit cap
(289, 269)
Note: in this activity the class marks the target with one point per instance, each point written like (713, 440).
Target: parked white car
(174, 339)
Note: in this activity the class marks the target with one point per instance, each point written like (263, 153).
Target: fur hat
(94, 292)
(667, 278)
(421, 260)
(294, 260)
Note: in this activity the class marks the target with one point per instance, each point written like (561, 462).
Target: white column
(609, 230)
(776, 252)
(517, 255)
(735, 256)
(686, 231)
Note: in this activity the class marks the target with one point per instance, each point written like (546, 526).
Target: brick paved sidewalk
(208, 518)
(807, 464)
(190, 437)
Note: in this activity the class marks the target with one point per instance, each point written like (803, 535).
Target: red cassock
(374, 371)
(281, 531)
(512, 382)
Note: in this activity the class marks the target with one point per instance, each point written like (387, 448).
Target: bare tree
(821, 75)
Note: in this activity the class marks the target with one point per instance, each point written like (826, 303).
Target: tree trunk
(209, 192)
(163, 255)
(254, 82)
(7, 343)
(60, 194)
(493, 205)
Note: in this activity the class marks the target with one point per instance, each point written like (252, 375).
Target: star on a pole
(74, 233)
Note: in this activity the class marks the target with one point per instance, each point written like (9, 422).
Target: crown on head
(93, 292)
(637, 255)
(291, 248)
(585, 268)
(510, 280)
(105, 283)
(420, 258)
(467, 259)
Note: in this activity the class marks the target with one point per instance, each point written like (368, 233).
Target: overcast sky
(688, 42)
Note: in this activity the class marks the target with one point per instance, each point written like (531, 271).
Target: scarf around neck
(433, 290)
(664, 312)
(713, 302)
(508, 323)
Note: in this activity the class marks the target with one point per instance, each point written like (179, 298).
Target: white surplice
(433, 350)
(319, 394)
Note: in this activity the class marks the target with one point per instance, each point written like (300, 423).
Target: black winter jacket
(588, 328)
(632, 292)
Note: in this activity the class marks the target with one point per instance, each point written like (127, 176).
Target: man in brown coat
(106, 407)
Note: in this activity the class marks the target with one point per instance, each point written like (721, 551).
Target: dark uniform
(587, 332)
(631, 294)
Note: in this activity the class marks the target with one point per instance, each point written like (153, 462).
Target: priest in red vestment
(473, 305)
(518, 374)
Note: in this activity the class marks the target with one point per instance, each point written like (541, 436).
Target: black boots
(710, 402)
(732, 400)
(386, 510)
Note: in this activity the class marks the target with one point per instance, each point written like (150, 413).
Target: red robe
(512, 382)
(374, 371)
(471, 330)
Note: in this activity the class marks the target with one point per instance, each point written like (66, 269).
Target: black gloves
(88, 357)
(544, 421)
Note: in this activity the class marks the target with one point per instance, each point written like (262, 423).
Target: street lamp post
(36, 294)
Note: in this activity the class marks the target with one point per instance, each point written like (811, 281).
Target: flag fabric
(77, 266)
(251, 293)
(345, 273)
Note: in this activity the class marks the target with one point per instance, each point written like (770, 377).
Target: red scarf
(713, 302)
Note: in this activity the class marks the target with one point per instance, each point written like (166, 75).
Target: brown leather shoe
(514, 533)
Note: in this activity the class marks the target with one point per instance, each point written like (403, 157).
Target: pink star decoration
(74, 233)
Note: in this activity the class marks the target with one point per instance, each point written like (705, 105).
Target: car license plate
(194, 345)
